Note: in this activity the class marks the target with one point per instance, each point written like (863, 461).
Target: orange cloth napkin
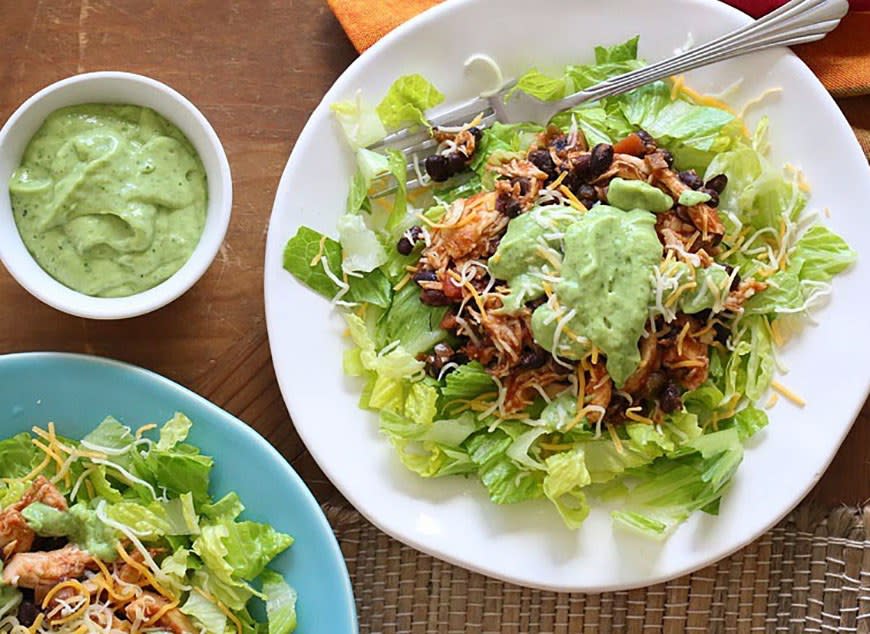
(841, 60)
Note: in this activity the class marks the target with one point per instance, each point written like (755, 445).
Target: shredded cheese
(161, 612)
(572, 199)
(681, 337)
(617, 443)
(144, 571)
(232, 617)
(757, 100)
(670, 301)
(688, 363)
(678, 85)
(316, 259)
(69, 583)
(402, 282)
(774, 398)
(784, 391)
(632, 414)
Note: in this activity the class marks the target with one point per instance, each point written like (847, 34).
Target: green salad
(584, 308)
(117, 532)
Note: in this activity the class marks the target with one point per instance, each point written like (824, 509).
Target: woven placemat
(811, 573)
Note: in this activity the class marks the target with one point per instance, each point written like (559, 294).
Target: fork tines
(416, 143)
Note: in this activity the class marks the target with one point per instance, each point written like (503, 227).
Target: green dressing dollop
(606, 281)
(634, 194)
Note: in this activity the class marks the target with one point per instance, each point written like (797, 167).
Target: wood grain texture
(256, 69)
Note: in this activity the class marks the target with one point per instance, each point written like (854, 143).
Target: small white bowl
(121, 88)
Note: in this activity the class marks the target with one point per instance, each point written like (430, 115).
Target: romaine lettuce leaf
(563, 485)
(251, 546)
(304, 247)
(407, 100)
(174, 431)
(750, 369)
(18, 457)
(467, 382)
(205, 613)
(280, 603)
(362, 252)
(359, 121)
(415, 325)
(820, 254)
(502, 139)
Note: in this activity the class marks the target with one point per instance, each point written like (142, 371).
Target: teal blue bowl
(77, 392)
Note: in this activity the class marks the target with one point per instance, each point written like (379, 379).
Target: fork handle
(795, 22)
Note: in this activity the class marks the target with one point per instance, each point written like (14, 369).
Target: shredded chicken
(650, 361)
(15, 535)
(625, 166)
(33, 570)
(703, 216)
(746, 289)
(522, 386)
(521, 181)
(684, 355)
(469, 230)
(149, 604)
(680, 236)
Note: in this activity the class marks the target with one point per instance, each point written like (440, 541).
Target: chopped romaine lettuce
(407, 100)
(360, 122)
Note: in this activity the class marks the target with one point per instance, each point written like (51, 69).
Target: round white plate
(452, 518)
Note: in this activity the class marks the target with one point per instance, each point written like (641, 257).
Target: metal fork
(796, 22)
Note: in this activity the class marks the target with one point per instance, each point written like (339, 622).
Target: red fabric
(757, 8)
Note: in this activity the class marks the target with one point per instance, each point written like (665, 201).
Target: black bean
(718, 183)
(477, 133)
(438, 167)
(704, 315)
(600, 158)
(713, 194)
(559, 143)
(533, 358)
(27, 613)
(508, 205)
(544, 162)
(587, 195)
(425, 275)
(404, 246)
(432, 297)
(533, 304)
(735, 283)
(670, 398)
(669, 158)
(722, 333)
(691, 178)
(654, 383)
(523, 183)
(581, 172)
(456, 162)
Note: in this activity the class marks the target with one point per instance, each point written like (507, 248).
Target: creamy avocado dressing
(109, 199)
(636, 194)
(606, 281)
(529, 252)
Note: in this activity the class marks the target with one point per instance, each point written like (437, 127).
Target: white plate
(452, 518)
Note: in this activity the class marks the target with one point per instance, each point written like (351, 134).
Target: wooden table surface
(256, 69)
